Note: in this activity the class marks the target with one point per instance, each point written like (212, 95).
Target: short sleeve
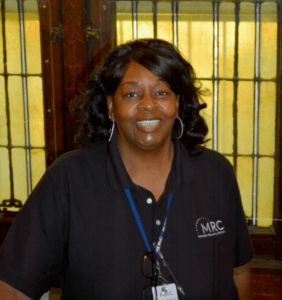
(33, 251)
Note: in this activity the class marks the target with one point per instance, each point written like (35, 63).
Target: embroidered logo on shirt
(206, 228)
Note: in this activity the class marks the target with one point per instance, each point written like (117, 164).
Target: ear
(177, 106)
(110, 106)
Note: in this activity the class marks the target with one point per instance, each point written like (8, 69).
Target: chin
(151, 143)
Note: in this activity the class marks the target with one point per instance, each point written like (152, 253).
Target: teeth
(148, 122)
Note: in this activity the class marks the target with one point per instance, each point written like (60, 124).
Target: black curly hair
(164, 61)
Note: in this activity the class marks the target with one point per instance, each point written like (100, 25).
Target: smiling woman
(144, 109)
(165, 66)
(83, 221)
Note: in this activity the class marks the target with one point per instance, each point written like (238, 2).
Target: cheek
(123, 112)
(171, 109)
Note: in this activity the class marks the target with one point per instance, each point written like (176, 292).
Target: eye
(130, 95)
(162, 93)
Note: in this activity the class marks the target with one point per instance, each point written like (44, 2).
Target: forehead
(137, 74)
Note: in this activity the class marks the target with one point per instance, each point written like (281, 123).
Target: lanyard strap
(138, 221)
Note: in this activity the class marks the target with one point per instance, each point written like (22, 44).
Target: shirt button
(149, 200)
(158, 222)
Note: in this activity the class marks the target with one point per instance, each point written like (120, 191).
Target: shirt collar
(181, 170)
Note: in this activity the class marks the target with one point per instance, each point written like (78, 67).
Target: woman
(141, 188)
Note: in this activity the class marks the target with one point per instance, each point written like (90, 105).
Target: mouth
(148, 122)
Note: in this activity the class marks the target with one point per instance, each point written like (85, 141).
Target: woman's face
(144, 109)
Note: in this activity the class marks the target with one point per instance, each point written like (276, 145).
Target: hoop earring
(112, 130)
(182, 129)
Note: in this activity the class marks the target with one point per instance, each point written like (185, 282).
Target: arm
(7, 292)
(243, 281)
(33, 251)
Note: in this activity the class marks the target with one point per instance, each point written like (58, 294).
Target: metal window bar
(134, 19)
(256, 107)
(25, 96)
(155, 11)
(12, 74)
(175, 22)
(237, 79)
(235, 85)
(278, 95)
(215, 74)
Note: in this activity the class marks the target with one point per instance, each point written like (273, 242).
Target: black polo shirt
(78, 225)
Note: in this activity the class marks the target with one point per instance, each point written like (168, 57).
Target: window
(22, 140)
(234, 47)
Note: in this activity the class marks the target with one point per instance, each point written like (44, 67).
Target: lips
(148, 122)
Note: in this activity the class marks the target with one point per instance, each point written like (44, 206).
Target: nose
(148, 102)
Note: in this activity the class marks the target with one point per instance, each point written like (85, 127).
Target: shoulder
(212, 166)
(90, 154)
(75, 169)
(210, 157)
(83, 160)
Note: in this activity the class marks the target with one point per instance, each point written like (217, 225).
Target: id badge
(165, 292)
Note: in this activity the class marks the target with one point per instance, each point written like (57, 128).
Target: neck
(148, 160)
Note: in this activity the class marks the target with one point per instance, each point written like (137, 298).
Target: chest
(155, 185)
(152, 181)
(105, 243)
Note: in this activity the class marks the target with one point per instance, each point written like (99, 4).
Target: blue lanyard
(138, 221)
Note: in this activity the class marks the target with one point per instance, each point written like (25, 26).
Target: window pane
(265, 191)
(37, 165)
(267, 113)
(13, 37)
(230, 158)
(145, 20)
(35, 112)
(124, 22)
(5, 192)
(245, 181)
(245, 117)
(195, 39)
(32, 37)
(225, 117)
(19, 174)
(268, 43)
(15, 94)
(3, 116)
(164, 21)
(226, 39)
(246, 40)
(207, 113)
(1, 44)
(184, 27)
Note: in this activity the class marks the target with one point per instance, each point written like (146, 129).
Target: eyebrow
(136, 82)
(130, 82)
